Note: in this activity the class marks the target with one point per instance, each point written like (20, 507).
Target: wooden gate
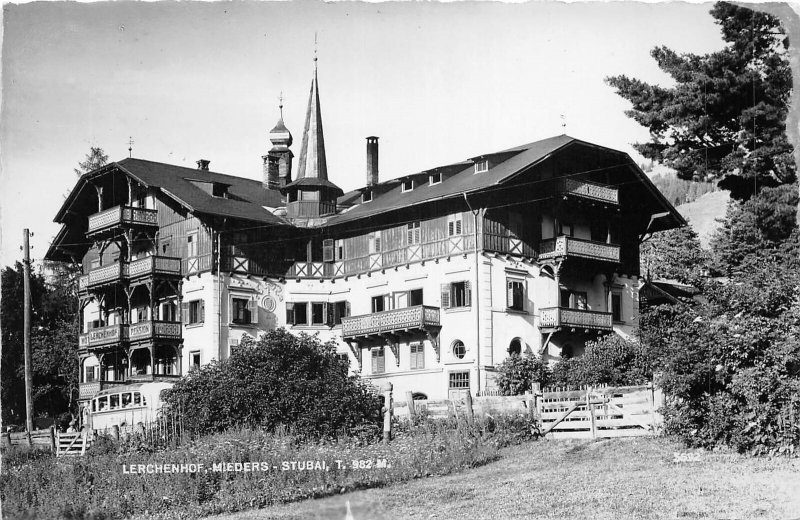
(599, 412)
(68, 444)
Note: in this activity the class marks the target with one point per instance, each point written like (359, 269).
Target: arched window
(459, 349)
(515, 347)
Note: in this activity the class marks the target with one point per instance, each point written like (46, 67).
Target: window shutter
(327, 250)
(445, 295)
(377, 243)
(347, 308)
(467, 294)
(510, 294)
(458, 227)
(382, 361)
(252, 306)
(202, 311)
(184, 312)
(290, 313)
(231, 307)
(450, 228)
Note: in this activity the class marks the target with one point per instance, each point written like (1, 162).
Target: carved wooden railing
(108, 335)
(417, 317)
(570, 246)
(143, 267)
(151, 330)
(553, 317)
(120, 215)
(588, 190)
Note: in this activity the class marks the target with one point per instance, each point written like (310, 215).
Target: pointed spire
(312, 161)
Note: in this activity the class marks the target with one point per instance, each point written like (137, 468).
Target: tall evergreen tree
(95, 159)
(725, 118)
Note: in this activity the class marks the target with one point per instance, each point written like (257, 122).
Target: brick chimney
(202, 164)
(372, 160)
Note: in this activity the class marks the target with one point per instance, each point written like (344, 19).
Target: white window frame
(403, 187)
(431, 180)
(482, 165)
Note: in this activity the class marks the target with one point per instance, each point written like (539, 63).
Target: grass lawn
(635, 478)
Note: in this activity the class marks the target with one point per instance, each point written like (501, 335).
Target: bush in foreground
(281, 379)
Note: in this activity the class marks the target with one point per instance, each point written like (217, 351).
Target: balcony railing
(154, 330)
(588, 190)
(123, 271)
(122, 215)
(88, 390)
(575, 247)
(419, 317)
(103, 336)
(555, 317)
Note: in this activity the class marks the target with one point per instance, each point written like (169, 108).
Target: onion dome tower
(278, 161)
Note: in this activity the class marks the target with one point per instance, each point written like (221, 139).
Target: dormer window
(407, 185)
(366, 196)
(435, 178)
(482, 166)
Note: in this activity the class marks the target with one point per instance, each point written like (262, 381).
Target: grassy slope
(703, 212)
(609, 479)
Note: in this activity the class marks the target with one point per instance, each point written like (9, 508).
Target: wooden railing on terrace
(141, 331)
(122, 215)
(576, 247)
(124, 271)
(554, 317)
(419, 317)
(587, 190)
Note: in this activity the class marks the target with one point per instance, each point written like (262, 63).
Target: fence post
(536, 388)
(652, 398)
(387, 412)
(412, 411)
(529, 399)
(53, 439)
(590, 409)
(470, 411)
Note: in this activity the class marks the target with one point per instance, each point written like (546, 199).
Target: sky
(437, 82)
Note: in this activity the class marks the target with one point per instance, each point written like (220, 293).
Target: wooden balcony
(315, 270)
(118, 217)
(103, 336)
(408, 319)
(142, 268)
(587, 190)
(88, 390)
(149, 378)
(155, 331)
(554, 318)
(153, 266)
(565, 246)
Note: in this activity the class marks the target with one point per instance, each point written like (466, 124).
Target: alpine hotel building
(428, 281)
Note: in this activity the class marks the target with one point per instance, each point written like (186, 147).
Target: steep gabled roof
(247, 201)
(389, 196)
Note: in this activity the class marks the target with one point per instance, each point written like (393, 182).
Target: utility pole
(27, 329)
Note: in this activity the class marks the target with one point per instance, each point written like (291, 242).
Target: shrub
(611, 360)
(281, 379)
(516, 374)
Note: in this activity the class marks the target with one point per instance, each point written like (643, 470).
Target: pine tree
(725, 118)
(95, 159)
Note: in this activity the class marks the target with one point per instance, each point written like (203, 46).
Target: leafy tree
(96, 158)
(725, 117)
(675, 255)
(281, 379)
(53, 340)
(516, 374)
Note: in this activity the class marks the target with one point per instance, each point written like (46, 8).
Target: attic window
(408, 185)
(435, 178)
(219, 190)
(366, 196)
(482, 166)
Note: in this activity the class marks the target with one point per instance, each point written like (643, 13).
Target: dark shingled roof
(247, 201)
(388, 195)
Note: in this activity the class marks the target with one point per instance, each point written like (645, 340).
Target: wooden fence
(42, 439)
(587, 412)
